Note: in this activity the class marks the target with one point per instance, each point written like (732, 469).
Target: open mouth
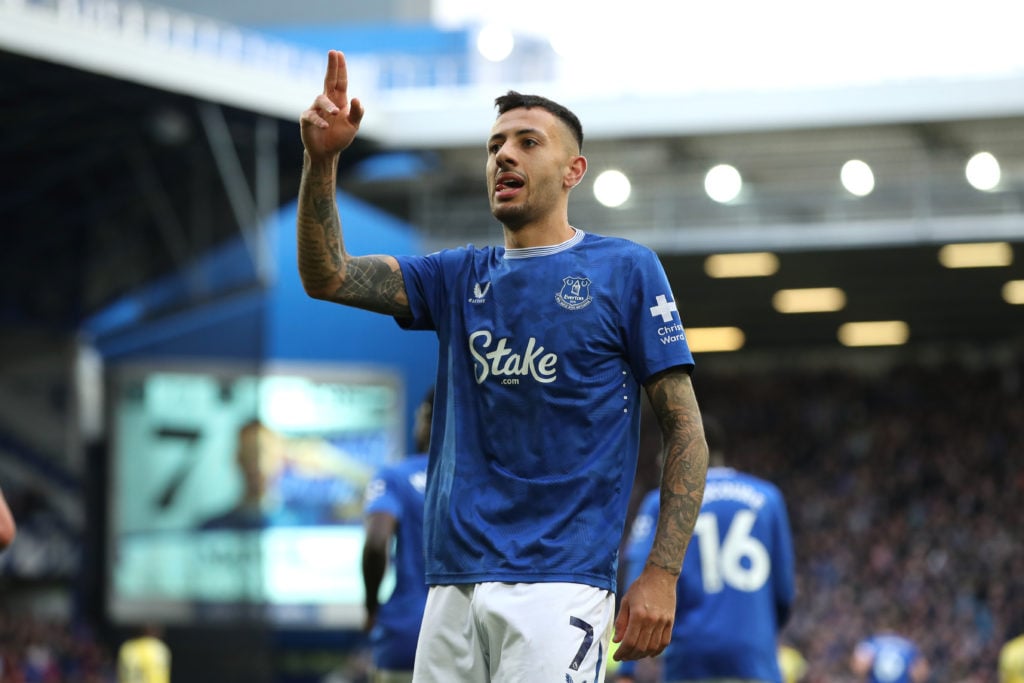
(507, 185)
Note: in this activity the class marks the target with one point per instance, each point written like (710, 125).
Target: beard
(512, 216)
(524, 210)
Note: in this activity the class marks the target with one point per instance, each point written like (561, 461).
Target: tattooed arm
(684, 469)
(328, 271)
(647, 612)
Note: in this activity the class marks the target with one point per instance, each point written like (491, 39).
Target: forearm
(374, 565)
(328, 271)
(684, 469)
(380, 529)
(321, 249)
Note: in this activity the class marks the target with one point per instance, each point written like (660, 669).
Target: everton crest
(575, 293)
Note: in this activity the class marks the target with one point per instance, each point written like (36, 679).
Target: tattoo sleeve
(328, 271)
(684, 468)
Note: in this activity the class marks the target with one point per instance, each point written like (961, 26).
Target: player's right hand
(331, 123)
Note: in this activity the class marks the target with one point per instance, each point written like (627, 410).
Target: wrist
(326, 164)
(659, 568)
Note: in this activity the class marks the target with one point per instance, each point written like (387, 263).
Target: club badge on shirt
(575, 293)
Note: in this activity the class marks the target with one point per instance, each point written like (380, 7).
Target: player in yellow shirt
(792, 664)
(1011, 661)
(145, 659)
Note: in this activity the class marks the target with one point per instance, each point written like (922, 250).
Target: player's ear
(576, 170)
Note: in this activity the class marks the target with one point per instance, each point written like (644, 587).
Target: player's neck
(542, 234)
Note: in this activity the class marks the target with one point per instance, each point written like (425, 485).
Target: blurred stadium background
(798, 169)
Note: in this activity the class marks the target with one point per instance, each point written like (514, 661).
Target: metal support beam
(157, 199)
(267, 182)
(244, 204)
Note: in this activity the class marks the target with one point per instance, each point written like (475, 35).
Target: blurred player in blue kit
(889, 658)
(737, 584)
(544, 346)
(394, 511)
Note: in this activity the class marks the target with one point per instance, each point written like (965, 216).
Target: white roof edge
(459, 117)
(237, 67)
(794, 237)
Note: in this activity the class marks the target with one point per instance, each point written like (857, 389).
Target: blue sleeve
(641, 536)
(783, 562)
(425, 288)
(655, 337)
(382, 495)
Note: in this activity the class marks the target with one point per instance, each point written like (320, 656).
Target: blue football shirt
(737, 582)
(542, 355)
(398, 491)
(892, 658)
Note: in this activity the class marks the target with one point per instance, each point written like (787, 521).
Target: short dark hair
(516, 100)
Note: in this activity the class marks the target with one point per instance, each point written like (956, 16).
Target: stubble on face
(512, 216)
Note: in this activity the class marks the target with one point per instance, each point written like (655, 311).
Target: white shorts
(514, 632)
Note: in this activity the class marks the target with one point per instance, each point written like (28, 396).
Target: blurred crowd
(905, 492)
(44, 650)
(904, 487)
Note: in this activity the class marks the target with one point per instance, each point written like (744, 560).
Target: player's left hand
(646, 614)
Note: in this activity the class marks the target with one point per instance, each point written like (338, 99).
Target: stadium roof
(118, 174)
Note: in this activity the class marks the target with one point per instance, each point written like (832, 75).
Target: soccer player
(394, 512)
(145, 658)
(737, 584)
(792, 664)
(545, 344)
(889, 658)
(1011, 659)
